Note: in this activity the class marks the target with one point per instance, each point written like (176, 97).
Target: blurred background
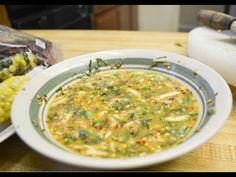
(172, 18)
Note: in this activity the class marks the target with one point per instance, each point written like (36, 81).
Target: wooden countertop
(218, 154)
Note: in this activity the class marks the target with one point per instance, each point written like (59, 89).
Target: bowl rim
(30, 136)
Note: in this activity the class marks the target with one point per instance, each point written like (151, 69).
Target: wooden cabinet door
(4, 19)
(107, 20)
(100, 8)
(119, 17)
(124, 17)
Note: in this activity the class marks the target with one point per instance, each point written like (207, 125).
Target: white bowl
(25, 111)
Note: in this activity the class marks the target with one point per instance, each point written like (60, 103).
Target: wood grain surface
(218, 154)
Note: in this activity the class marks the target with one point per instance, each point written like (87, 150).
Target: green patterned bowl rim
(204, 82)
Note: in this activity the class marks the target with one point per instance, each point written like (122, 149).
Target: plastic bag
(21, 52)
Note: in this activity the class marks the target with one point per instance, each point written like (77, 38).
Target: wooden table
(218, 154)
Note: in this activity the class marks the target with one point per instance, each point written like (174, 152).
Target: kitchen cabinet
(49, 16)
(4, 19)
(115, 17)
(107, 17)
(107, 20)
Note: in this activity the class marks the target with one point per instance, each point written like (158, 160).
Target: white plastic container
(215, 50)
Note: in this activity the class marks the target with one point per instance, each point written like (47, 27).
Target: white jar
(215, 50)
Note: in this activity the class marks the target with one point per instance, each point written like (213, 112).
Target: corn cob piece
(8, 90)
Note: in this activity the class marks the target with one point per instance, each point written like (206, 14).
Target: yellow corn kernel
(8, 90)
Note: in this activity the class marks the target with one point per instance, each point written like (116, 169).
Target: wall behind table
(158, 17)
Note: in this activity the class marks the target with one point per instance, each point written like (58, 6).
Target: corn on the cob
(8, 90)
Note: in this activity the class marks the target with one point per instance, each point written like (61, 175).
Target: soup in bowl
(120, 114)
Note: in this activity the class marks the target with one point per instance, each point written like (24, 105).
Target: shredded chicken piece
(66, 118)
(167, 95)
(58, 101)
(108, 134)
(135, 92)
